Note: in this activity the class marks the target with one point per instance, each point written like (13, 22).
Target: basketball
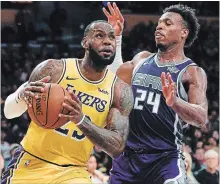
(46, 108)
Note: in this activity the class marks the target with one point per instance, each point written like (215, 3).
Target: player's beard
(161, 47)
(98, 61)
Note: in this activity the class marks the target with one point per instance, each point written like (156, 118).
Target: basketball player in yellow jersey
(99, 107)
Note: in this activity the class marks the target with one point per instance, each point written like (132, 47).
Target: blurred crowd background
(32, 32)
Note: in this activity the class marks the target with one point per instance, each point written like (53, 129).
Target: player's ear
(84, 42)
(185, 33)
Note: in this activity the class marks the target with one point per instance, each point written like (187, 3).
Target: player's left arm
(116, 19)
(112, 138)
(194, 111)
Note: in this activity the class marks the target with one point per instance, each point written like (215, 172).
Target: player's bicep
(124, 72)
(118, 118)
(50, 67)
(198, 87)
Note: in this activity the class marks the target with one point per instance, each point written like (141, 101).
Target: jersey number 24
(150, 97)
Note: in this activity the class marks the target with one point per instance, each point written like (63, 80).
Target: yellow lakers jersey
(67, 144)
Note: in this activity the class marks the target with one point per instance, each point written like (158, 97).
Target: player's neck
(90, 71)
(174, 54)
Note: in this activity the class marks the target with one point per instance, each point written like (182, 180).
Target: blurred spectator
(5, 148)
(57, 19)
(210, 175)
(188, 163)
(207, 146)
(215, 135)
(198, 160)
(1, 163)
(199, 144)
(213, 143)
(187, 148)
(97, 176)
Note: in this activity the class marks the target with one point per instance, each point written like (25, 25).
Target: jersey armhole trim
(180, 76)
(112, 91)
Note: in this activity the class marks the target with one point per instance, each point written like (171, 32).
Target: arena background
(34, 31)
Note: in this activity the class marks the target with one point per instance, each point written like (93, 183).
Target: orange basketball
(46, 108)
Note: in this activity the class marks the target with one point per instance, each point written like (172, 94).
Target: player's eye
(112, 37)
(99, 36)
(168, 23)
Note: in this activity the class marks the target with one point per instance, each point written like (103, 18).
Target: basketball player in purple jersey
(170, 93)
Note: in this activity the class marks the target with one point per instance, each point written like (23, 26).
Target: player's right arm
(47, 71)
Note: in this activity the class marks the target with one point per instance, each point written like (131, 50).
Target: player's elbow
(13, 109)
(202, 121)
(118, 151)
(8, 113)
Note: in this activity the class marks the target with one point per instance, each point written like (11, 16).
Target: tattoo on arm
(51, 67)
(112, 140)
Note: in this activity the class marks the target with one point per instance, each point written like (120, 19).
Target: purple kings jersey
(154, 126)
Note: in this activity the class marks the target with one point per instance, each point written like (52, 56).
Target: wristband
(79, 123)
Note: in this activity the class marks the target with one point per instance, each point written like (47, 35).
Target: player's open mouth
(106, 52)
(158, 34)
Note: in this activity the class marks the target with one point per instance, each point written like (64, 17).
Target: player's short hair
(88, 28)
(189, 21)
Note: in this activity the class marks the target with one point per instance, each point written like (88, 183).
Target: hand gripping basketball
(74, 107)
(32, 89)
(46, 108)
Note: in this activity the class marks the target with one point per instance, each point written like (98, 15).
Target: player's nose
(107, 41)
(159, 26)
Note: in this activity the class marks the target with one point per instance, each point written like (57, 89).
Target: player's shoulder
(51, 67)
(140, 56)
(126, 69)
(196, 71)
(50, 62)
(136, 59)
(195, 74)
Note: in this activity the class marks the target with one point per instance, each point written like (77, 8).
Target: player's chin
(161, 45)
(108, 59)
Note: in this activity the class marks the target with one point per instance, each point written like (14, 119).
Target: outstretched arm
(112, 139)
(116, 19)
(194, 112)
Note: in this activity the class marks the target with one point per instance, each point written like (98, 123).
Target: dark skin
(171, 34)
(112, 138)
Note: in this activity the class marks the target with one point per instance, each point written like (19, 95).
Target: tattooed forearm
(49, 67)
(112, 140)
